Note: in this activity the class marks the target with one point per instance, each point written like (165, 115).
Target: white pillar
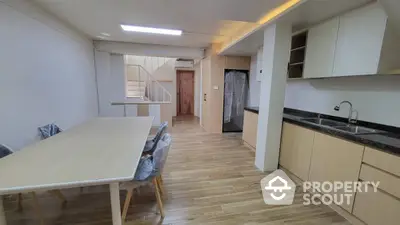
(277, 41)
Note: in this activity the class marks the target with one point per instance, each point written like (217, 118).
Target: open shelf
(297, 55)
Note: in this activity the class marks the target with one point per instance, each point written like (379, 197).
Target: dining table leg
(2, 213)
(115, 204)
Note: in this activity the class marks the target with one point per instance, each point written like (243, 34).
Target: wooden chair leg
(160, 186)
(126, 204)
(19, 202)
(38, 209)
(59, 195)
(159, 200)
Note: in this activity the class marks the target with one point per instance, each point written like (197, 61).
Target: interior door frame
(178, 72)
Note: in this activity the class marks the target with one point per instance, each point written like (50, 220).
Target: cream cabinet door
(296, 149)
(320, 52)
(360, 40)
(377, 208)
(250, 128)
(334, 159)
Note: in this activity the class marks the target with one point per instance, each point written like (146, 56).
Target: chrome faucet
(351, 111)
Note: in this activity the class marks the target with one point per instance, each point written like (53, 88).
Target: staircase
(141, 84)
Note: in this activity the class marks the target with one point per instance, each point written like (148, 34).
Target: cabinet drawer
(377, 208)
(382, 160)
(388, 182)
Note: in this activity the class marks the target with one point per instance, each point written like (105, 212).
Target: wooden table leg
(2, 213)
(115, 204)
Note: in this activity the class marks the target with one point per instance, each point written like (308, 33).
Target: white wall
(377, 98)
(111, 84)
(254, 85)
(46, 74)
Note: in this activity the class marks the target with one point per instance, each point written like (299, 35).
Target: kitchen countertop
(389, 141)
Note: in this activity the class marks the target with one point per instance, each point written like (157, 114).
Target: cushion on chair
(4, 151)
(144, 169)
(148, 146)
(147, 149)
(160, 154)
(49, 130)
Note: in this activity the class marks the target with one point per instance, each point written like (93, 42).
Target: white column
(277, 41)
(2, 213)
(115, 204)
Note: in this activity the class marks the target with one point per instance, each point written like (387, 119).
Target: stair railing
(153, 90)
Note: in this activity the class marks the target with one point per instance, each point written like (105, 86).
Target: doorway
(184, 92)
(236, 86)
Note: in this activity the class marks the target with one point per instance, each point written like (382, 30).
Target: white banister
(148, 87)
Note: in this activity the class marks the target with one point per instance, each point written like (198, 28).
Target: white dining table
(100, 151)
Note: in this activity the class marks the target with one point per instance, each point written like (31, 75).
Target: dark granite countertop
(387, 141)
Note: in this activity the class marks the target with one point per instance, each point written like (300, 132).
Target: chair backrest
(161, 153)
(5, 151)
(163, 127)
(49, 130)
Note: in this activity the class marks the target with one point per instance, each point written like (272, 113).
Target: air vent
(184, 63)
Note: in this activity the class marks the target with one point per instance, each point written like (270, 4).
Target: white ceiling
(201, 20)
(307, 14)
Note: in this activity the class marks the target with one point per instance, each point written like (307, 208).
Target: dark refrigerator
(236, 87)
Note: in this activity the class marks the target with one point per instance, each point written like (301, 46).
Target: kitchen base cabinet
(250, 128)
(296, 149)
(334, 159)
(377, 208)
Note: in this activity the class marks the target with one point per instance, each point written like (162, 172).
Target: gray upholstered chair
(149, 171)
(5, 151)
(49, 130)
(152, 143)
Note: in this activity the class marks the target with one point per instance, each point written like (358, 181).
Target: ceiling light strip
(151, 30)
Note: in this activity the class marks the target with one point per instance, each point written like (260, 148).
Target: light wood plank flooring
(209, 179)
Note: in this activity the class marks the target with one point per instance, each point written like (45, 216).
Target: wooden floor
(209, 179)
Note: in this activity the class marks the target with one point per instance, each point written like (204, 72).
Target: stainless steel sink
(325, 122)
(358, 129)
(349, 128)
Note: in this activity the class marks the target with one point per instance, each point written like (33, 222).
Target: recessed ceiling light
(151, 30)
(106, 34)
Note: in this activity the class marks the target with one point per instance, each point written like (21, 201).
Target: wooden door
(185, 92)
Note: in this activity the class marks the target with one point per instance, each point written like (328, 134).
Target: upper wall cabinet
(320, 53)
(360, 42)
(357, 43)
